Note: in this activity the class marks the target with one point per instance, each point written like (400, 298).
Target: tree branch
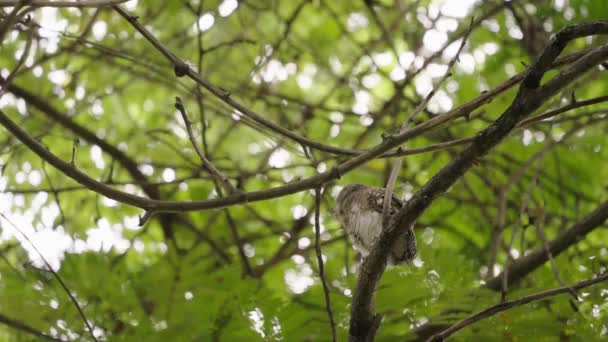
(26, 328)
(526, 264)
(182, 69)
(491, 311)
(390, 142)
(57, 277)
(330, 314)
(529, 98)
(388, 194)
(206, 163)
(59, 3)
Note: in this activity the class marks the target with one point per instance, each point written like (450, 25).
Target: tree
(169, 169)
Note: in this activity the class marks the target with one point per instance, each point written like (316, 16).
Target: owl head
(344, 199)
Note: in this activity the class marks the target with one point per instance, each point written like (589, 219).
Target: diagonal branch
(130, 165)
(57, 277)
(388, 194)
(528, 263)
(182, 69)
(26, 328)
(206, 163)
(529, 98)
(491, 311)
(59, 3)
(593, 57)
(330, 314)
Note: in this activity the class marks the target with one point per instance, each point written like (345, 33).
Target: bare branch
(528, 263)
(65, 3)
(26, 52)
(330, 314)
(523, 206)
(580, 66)
(182, 69)
(26, 328)
(491, 311)
(247, 270)
(206, 163)
(388, 194)
(150, 189)
(529, 98)
(56, 275)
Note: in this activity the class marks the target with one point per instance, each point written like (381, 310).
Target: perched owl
(359, 209)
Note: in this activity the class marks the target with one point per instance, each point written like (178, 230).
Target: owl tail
(404, 249)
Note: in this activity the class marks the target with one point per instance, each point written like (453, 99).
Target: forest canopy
(169, 169)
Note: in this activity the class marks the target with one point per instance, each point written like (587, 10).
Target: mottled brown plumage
(359, 209)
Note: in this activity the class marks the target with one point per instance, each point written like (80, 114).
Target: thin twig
(247, 270)
(388, 194)
(10, 19)
(513, 303)
(526, 264)
(223, 180)
(58, 3)
(530, 96)
(540, 222)
(54, 193)
(523, 207)
(230, 189)
(56, 275)
(515, 177)
(26, 328)
(504, 189)
(26, 52)
(320, 261)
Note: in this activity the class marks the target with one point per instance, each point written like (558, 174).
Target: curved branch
(65, 288)
(58, 3)
(529, 98)
(526, 264)
(491, 311)
(174, 206)
(390, 142)
(182, 69)
(130, 165)
(127, 162)
(26, 328)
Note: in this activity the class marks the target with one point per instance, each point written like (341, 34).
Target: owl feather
(359, 209)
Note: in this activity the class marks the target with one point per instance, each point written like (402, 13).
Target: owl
(359, 209)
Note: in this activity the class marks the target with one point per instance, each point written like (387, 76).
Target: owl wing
(404, 249)
(376, 201)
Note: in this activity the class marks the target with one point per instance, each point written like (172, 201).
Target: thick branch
(151, 190)
(182, 69)
(525, 265)
(529, 98)
(127, 162)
